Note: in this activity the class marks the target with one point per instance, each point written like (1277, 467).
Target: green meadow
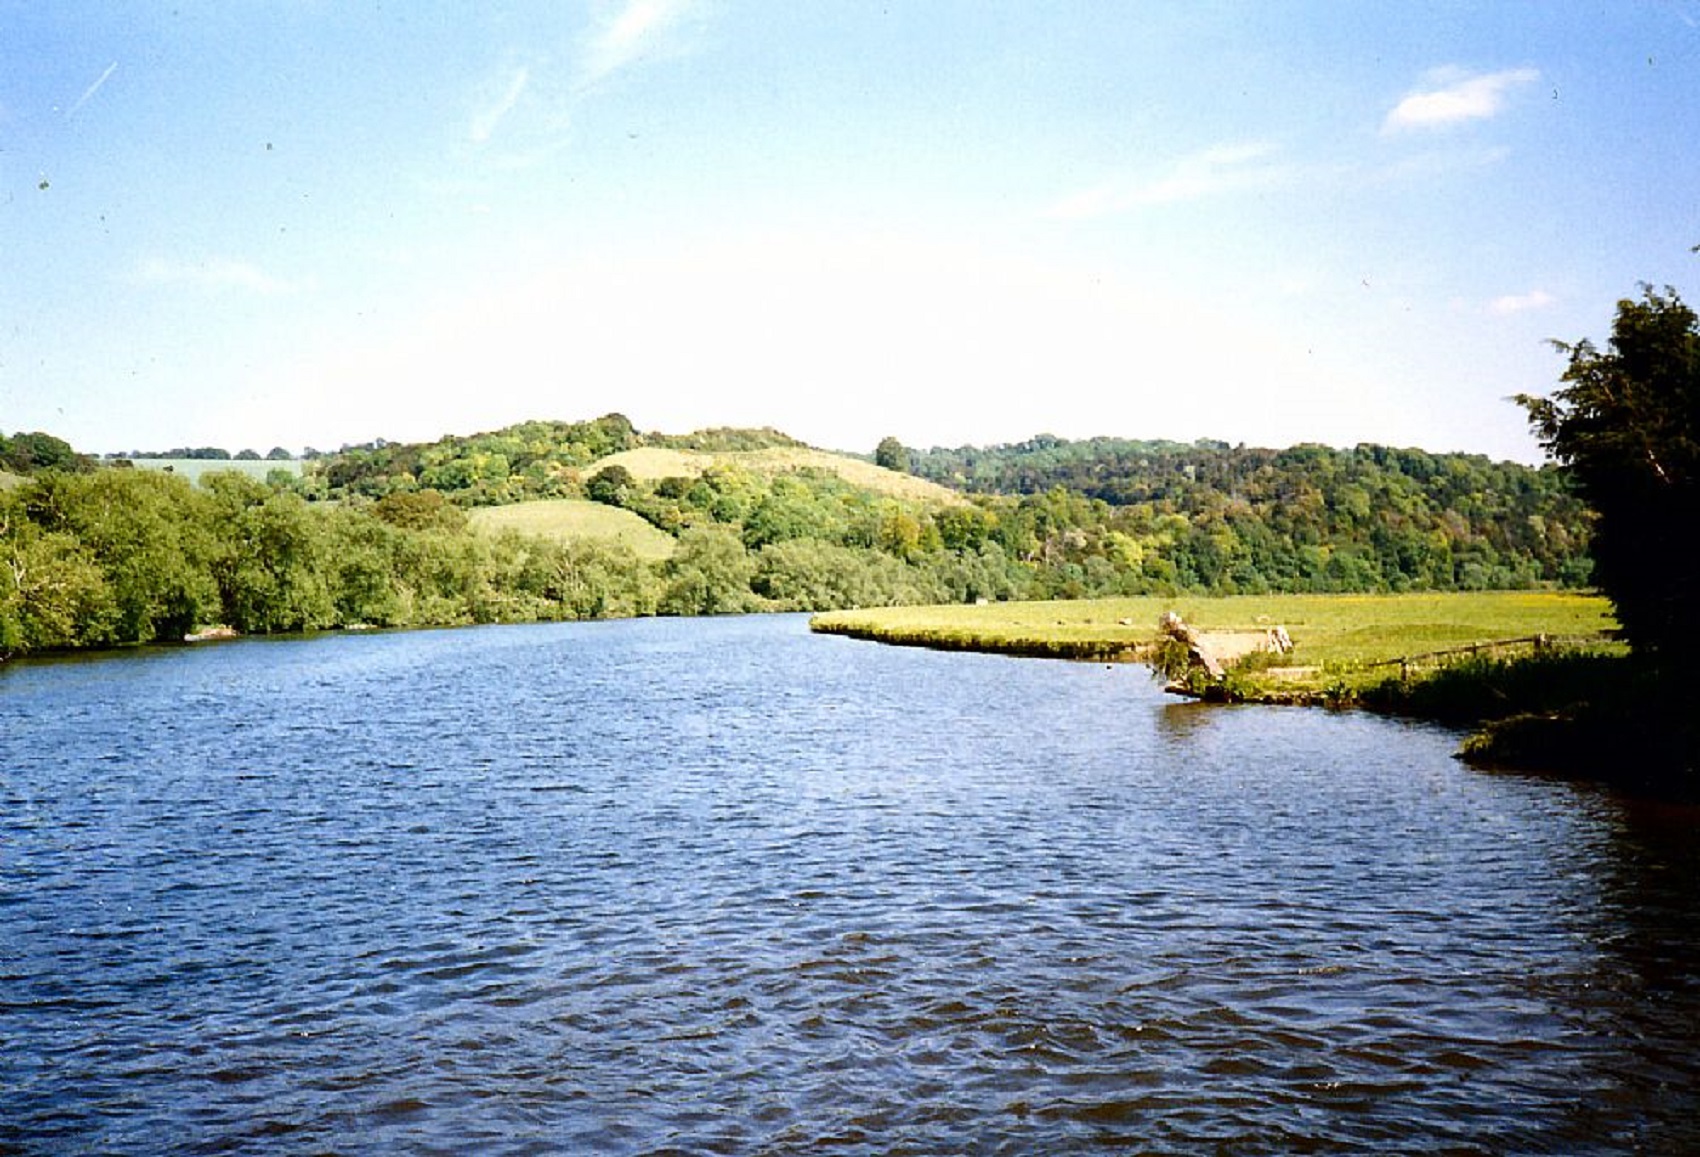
(576, 520)
(653, 463)
(193, 468)
(1343, 642)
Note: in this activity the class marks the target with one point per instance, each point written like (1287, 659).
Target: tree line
(214, 454)
(379, 534)
(114, 557)
(1098, 517)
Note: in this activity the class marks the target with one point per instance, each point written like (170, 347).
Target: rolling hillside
(652, 463)
(576, 520)
(193, 468)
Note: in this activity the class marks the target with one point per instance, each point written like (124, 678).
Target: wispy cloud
(88, 93)
(1520, 302)
(1451, 97)
(213, 273)
(486, 119)
(529, 107)
(1211, 172)
(632, 31)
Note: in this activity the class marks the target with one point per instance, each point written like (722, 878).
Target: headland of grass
(1539, 675)
(1342, 644)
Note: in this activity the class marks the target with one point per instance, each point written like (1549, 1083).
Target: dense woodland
(377, 535)
(1080, 518)
(1310, 517)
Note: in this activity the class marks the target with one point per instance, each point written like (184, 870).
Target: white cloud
(487, 118)
(635, 29)
(1210, 172)
(215, 273)
(1521, 302)
(1452, 97)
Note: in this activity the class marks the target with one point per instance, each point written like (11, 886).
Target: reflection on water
(726, 887)
(1179, 720)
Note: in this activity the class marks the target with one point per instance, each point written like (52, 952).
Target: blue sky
(301, 222)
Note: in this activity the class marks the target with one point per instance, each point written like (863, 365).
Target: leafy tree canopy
(610, 485)
(122, 556)
(1625, 426)
(893, 455)
(26, 453)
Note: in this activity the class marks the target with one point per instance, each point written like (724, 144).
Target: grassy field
(193, 468)
(1337, 639)
(651, 463)
(573, 519)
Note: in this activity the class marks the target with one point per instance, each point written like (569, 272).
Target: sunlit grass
(193, 468)
(652, 463)
(1337, 638)
(577, 520)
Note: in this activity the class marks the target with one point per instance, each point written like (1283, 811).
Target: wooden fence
(1537, 643)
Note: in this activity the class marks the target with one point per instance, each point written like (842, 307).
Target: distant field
(574, 519)
(193, 468)
(9, 480)
(1339, 635)
(651, 463)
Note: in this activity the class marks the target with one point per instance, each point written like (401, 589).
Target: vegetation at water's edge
(1624, 432)
(1342, 643)
(1540, 675)
(751, 520)
(1624, 427)
(745, 520)
(96, 555)
(1590, 713)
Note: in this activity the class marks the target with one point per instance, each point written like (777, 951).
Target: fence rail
(1537, 643)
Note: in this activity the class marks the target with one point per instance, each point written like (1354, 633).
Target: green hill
(728, 520)
(193, 468)
(653, 463)
(576, 520)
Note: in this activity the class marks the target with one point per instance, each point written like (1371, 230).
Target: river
(726, 887)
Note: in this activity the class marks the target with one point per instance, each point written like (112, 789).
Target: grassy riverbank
(1539, 675)
(1343, 644)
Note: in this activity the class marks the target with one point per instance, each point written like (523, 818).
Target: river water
(723, 886)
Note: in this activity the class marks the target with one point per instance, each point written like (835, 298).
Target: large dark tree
(27, 453)
(893, 455)
(611, 485)
(1625, 426)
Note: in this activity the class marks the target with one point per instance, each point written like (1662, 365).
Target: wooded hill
(1400, 517)
(745, 520)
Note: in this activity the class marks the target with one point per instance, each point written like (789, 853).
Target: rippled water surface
(727, 887)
